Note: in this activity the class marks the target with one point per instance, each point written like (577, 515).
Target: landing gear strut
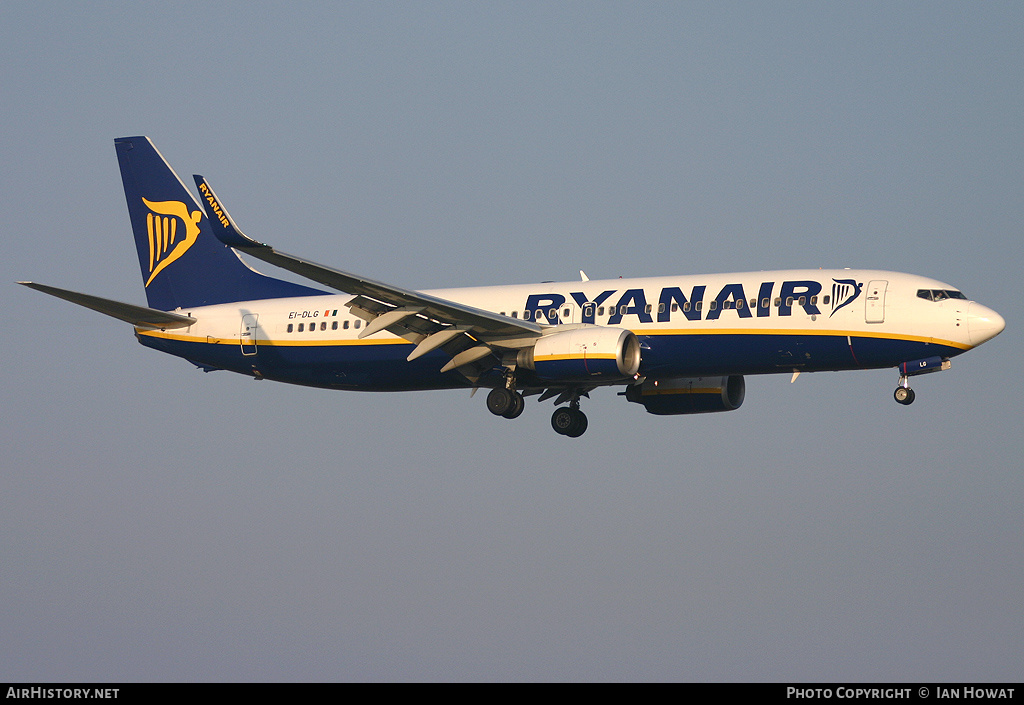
(904, 394)
(569, 420)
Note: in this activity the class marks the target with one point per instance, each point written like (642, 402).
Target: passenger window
(739, 303)
(814, 300)
(566, 313)
(600, 310)
(301, 325)
(778, 301)
(825, 299)
(661, 307)
(753, 303)
(358, 322)
(588, 311)
(697, 306)
(686, 306)
(515, 314)
(323, 325)
(334, 325)
(345, 325)
(765, 303)
(802, 301)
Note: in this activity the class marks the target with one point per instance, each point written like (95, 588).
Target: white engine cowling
(689, 395)
(587, 353)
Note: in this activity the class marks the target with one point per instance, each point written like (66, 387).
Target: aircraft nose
(983, 323)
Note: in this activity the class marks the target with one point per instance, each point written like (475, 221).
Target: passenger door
(874, 302)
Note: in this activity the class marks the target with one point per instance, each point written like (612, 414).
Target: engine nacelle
(586, 353)
(689, 395)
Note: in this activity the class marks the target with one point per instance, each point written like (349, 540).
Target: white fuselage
(742, 323)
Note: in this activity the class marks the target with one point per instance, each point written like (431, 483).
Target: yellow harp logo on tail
(166, 242)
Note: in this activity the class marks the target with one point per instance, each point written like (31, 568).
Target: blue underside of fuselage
(752, 354)
(365, 367)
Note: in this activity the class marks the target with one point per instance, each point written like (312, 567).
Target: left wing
(466, 333)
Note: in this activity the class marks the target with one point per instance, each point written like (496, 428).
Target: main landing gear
(569, 420)
(505, 402)
(508, 403)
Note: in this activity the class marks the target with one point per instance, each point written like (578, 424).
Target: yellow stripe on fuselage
(326, 342)
(317, 342)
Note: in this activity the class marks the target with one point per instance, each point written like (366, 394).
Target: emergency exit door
(247, 335)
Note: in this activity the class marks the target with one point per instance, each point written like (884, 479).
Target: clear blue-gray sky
(159, 523)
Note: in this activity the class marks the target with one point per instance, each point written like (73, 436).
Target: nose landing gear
(904, 394)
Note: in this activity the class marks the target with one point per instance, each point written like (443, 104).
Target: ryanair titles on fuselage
(694, 306)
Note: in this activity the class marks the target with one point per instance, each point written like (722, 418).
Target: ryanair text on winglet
(217, 210)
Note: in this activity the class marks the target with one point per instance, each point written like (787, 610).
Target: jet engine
(688, 395)
(582, 354)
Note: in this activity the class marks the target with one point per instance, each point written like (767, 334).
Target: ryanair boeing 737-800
(676, 345)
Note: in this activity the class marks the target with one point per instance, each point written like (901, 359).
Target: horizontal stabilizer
(130, 313)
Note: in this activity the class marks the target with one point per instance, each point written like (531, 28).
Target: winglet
(222, 224)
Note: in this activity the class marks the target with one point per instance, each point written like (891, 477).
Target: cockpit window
(940, 294)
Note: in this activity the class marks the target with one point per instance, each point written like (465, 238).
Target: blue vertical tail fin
(183, 264)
